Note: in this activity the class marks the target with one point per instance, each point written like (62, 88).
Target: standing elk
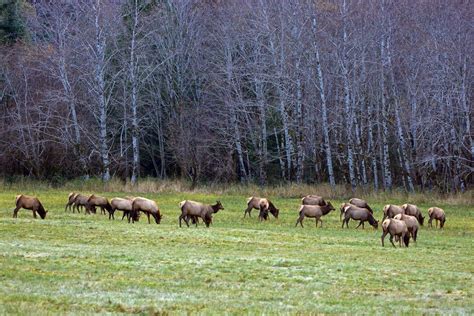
(396, 228)
(81, 201)
(361, 203)
(266, 206)
(29, 203)
(124, 205)
(254, 203)
(313, 211)
(413, 210)
(147, 206)
(71, 197)
(360, 214)
(313, 200)
(438, 214)
(391, 210)
(412, 224)
(191, 209)
(101, 202)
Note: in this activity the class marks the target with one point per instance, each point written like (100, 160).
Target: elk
(266, 206)
(360, 214)
(191, 209)
(147, 206)
(81, 201)
(29, 203)
(254, 203)
(412, 224)
(313, 200)
(101, 202)
(71, 197)
(438, 214)
(391, 210)
(413, 210)
(361, 203)
(396, 228)
(124, 205)
(313, 211)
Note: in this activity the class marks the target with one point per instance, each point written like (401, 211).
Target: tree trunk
(134, 84)
(401, 138)
(100, 82)
(327, 145)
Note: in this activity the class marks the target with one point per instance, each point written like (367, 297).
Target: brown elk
(412, 224)
(313, 200)
(360, 214)
(361, 203)
(254, 203)
(101, 202)
(267, 206)
(413, 210)
(124, 205)
(438, 214)
(391, 210)
(191, 209)
(29, 203)
(313, 211)
(147, 206)
(71, 197)
(396, 228)
(81, 201)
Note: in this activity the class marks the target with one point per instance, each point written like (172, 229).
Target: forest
(362, 93)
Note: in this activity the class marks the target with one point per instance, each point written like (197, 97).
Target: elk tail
(249, 199)
(181, 203)
(17, 198)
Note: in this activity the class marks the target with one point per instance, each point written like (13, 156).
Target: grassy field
(77, 263)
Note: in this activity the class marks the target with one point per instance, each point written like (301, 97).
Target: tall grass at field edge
(284, 190)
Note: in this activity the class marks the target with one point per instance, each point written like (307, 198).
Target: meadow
(77, 263)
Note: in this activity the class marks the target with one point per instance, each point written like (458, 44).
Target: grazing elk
(437, 214)
(101, 202)
(413, 210)
(266, 206)
(71, 197)
(81, 201)
(29, 203)
(359, 214)
(396, 228)
(124, 205)
(391, 210)
(254, 203)
(313, 200)
(412, 224)
(361, 203)
(343, 208)
(313, 211)
(191, 209)
(147, 206)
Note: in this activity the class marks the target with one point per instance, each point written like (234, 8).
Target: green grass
(77, 263)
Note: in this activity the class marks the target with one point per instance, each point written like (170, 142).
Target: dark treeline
(365, 93)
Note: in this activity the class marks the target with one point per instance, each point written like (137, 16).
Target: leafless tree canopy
(368, 93)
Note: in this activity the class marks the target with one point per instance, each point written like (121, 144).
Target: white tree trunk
(134, 83)
(327, 144)
(300, 126)
(263, 131)
(100, 82)
(347, 102)
(401, 138)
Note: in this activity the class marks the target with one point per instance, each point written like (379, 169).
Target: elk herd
(400, 222)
